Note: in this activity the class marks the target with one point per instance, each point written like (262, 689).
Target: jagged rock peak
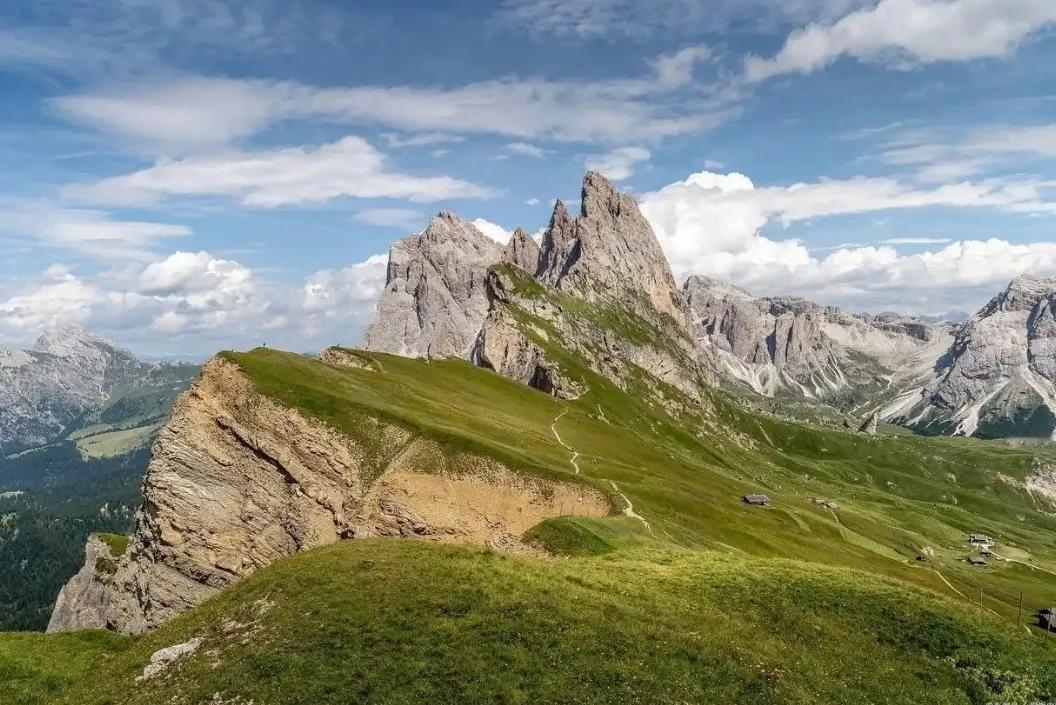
(559, 240)
(609, 251)
(701, 285)
(434, 299)
(522, 250)
(1022, 293)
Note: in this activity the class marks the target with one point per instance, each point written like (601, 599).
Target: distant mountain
(791, 347)
(77, 417)
(72, 379)
(997, 378)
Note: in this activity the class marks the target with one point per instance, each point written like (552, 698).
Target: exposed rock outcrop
(522, 250)
(785, 345)
(238, 481)
(434, 299)
(997, 379)
(609, 253)
(66, 373)
(89, 596)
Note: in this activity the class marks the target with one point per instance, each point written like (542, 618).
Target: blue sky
(186, 175)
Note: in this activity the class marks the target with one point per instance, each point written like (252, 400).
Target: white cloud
(195, 302)
(637, 20)
(618, 164)
(177, 116)
(193, 112)
(676, 70)
(910, 32)
(526, 149)
(981, 149)
(532, 201)
(422, 139)
(86, 231)
(402, 218)
(711, 224)
(496, 232)
(269, 178)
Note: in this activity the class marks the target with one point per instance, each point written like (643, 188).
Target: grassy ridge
(393, 622)
(897, 495)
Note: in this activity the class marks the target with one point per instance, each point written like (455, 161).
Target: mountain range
(74, 380)
(380, 524)
(990, 376)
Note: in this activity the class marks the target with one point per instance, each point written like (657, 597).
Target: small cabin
(977, 560)
(758, 500)
(985, 551)
(1047, 619)
(980, 539)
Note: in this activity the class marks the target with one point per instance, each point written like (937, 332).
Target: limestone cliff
(434, 299)
(998, 378)
(609, 253)
(88, 598)
(791, 346)
(237, 481)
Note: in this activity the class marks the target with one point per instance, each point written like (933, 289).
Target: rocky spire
(434, 299)
(609, 251)
(558, 242)
(522, 250)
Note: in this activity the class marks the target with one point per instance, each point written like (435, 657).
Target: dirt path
(629, 509)
(1029, 565)
(948, 583)
(575, 453)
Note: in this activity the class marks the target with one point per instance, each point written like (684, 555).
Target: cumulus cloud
(909, 32)
(619, 164)
(269, 178)
(195, 302)
(712, 224)
(496, 232)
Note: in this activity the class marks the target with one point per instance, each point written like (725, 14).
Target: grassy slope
(896, 494)
(380, 621)
(694, 609)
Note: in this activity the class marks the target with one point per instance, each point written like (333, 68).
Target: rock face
(434, 299)
(609, 252)
(522, 251)
(610, 259)
(89, 596)
(68, 372)
(997, 379)
(784, 345)
(238, 481)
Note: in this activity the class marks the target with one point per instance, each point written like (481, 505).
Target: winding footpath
(575, 453)
(628, 509)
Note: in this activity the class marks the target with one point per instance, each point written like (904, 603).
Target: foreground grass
(403, 621)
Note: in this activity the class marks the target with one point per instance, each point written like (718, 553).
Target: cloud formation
(620, 163)
(712, 224)
(909, 32)
(176, 116)
(196, 302)
(269, 178)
